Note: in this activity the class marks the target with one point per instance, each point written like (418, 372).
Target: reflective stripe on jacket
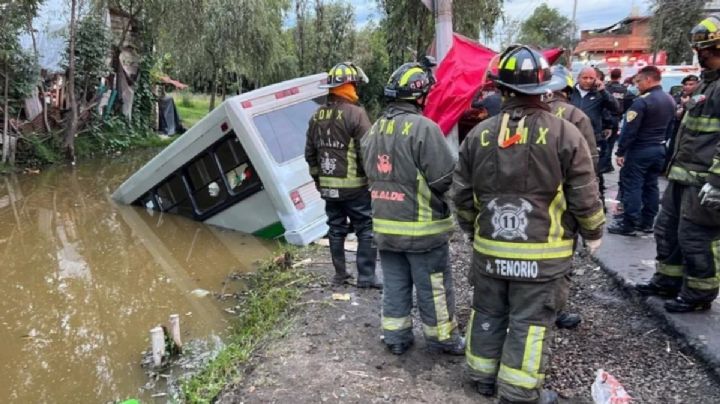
(697, 149)
(332, 149)
(410, 166)
(525, 200)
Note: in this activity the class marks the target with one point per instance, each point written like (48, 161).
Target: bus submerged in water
(242, 167)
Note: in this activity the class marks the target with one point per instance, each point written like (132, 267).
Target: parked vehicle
(242, 167)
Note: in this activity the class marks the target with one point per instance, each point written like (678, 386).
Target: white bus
(242, 167)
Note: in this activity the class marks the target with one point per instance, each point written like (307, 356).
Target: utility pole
(442, 11)
(574, 19)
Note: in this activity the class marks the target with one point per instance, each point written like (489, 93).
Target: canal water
(84, 280)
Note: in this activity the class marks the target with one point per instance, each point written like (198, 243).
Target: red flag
(552, 55)
(459, 76)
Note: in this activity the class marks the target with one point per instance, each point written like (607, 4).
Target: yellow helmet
(342, 73)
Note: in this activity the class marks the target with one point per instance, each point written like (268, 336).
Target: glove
(593, 245)
(710, 196)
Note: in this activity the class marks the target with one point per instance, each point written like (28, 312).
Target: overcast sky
(590, 14)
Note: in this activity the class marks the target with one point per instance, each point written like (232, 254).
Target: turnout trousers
(429, 272)
(687, 236)
(358, 213)
(509, 332)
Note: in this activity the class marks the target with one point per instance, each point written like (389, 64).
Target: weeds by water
(271, 292)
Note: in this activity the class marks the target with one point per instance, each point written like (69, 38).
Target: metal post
(574, 19)
(442, 11)
(443, 28)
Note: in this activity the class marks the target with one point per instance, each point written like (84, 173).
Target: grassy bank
(192, 107)
(272, 290)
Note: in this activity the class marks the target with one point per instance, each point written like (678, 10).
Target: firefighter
(332, 151)
(523, 188)
(560, 106)
(410, 168)
(687, 231)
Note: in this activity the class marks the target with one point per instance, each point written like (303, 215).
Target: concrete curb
(699, 332)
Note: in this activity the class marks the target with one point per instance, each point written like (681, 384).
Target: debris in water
(200, 293)
(341, 296)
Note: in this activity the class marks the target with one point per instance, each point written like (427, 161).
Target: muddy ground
(332, 352)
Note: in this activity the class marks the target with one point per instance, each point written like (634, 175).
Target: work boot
(621, 229)
(486, 389)
(400, 348)
(567, 320)
(546, 397)
(651, 289)
(456, 347)
(645, 228)
(680, 305)
(337, 252)
(366, 260)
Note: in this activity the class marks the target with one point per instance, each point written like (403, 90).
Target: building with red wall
(625, 43)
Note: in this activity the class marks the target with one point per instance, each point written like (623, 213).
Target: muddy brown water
(84, 279)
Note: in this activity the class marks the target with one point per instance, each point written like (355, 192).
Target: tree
(18, 69)
(410, 27)
(546, 28)
(92, 49)
(510, 33)
(372, 56)
(324, 36)
(212, 40)
(72, 124)
(669, 27)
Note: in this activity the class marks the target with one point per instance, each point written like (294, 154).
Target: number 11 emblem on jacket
(509, 220)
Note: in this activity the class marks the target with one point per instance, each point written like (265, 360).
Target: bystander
(641, 153)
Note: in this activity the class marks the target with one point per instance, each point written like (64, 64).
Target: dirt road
(332, 351)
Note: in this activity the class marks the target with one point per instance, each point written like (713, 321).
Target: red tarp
(458, 77)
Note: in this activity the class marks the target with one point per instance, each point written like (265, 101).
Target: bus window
(283, 130)
(173, 197)
(206, 184)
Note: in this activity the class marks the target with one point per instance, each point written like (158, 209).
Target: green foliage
(210, 38)
(190, 115)
(34, 151)
(546, 28)
(372, 56)
(323, 36)
(410, 27)
(186, 100)
(18, 65)
(115, 135)
(270, 294)
(669, 27)
(92, 47)
(144, 99)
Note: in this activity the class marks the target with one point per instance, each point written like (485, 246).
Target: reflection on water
(83, 280)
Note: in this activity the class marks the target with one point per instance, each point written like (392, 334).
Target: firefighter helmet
(706, 34)
(563, 73)
(342, 73)
(410, 82)
(526, 71)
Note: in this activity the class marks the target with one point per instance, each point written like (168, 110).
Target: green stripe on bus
(273, 231)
